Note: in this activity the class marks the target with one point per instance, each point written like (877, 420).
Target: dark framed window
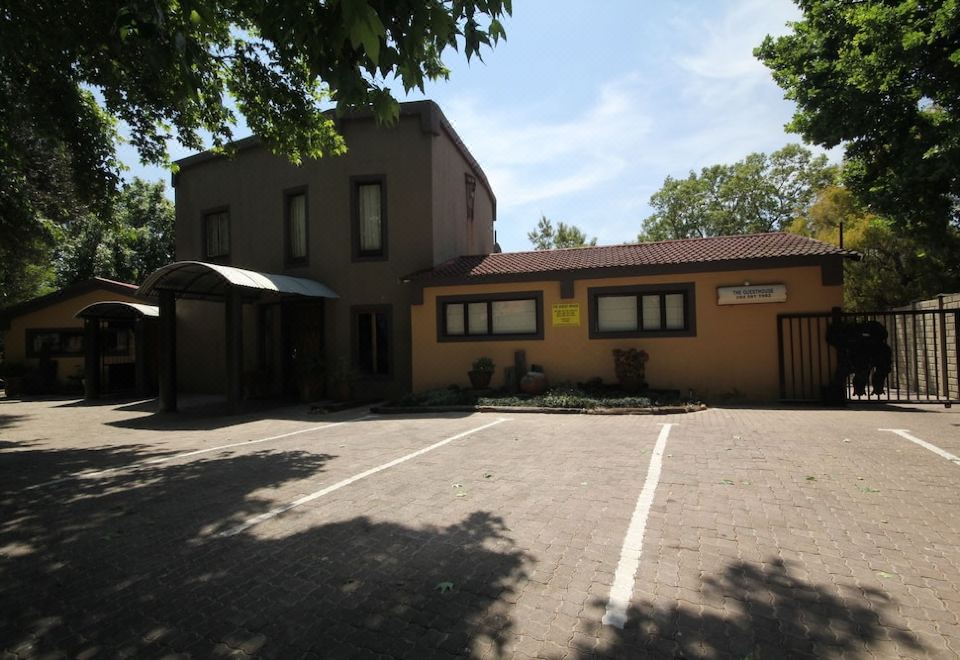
(490, 317)
(296, 226)
(368, 208)
(372, 342)
(642, 311)
(216, 234)
(54, 342)
(471, 186)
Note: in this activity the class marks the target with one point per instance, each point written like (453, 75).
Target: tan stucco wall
(734, 352)
(57, 315)
(252, 185)
(453, 234)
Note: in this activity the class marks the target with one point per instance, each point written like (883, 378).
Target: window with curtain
(642, 310)
(297, 228)
(494, 318)
(369, 219)
(217, 234)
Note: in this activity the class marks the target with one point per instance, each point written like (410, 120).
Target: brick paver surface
(773, 533)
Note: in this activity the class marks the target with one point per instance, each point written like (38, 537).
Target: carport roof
(118, 309)
(201, 280)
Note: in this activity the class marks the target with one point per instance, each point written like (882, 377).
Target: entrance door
(303, 349)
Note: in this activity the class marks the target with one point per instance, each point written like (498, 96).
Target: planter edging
(654, 410)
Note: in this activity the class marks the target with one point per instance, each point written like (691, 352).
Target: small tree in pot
(630, 367)
(481, 373)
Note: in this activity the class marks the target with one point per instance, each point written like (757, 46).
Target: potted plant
(534, 382)
(12, 374)
(343, 378)
(630, 366)
(481, 373)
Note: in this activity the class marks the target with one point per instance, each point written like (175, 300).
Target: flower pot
(14, 385)
(480, 380)
(533, 383)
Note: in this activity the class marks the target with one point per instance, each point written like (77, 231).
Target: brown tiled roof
(641, 255)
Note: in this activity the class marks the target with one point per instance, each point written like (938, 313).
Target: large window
(501, 316)
(216, 234)
(296, 226)
(371, 333)
(642, 311)
(66, 342)
(369, 202)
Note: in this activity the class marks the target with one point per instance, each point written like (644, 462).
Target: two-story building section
(405, 197)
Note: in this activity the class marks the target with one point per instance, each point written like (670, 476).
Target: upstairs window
(216, 230)
(296, 227)
(502, 316)
(642, 311)
(369, 218)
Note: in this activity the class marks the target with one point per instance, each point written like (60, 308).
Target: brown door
(303, 349)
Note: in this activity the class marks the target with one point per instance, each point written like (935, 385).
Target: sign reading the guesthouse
(749, 294)
(566, 314)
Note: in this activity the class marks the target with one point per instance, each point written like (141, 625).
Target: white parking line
(187, 454)
(272, 513)
(623, 579)
(905, 433)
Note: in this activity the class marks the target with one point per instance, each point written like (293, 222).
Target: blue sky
(588, 106)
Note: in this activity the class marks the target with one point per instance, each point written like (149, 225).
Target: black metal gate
(821, 361)
(118, 351)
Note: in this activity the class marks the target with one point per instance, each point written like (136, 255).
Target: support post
(234, 346)
(140, 357)
(91, 358)
(168, 352)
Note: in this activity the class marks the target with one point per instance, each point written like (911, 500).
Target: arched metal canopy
(117, 310)
(200, 280)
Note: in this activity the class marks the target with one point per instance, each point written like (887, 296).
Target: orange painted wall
(58, 315)
(732, 356)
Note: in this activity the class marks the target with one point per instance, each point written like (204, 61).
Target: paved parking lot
(733, 533)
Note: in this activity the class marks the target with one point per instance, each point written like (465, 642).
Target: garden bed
(558, 400)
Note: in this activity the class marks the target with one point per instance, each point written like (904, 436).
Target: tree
(882, 78)
(70, 71)
(126, 245)
(545, 237)
(896, 269)
(757, 194)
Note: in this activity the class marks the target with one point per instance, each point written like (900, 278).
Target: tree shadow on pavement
(748, 612)
(131, 563)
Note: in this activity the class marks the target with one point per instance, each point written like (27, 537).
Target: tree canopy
(896, 268)
(131, 242)
(70, 72)
(882, 78)
(757, 194)
(546, 237)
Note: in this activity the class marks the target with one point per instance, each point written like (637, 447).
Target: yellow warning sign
(566, 314)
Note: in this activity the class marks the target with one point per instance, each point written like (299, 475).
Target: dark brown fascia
(432, 122)
(94, 283)
(831, 272)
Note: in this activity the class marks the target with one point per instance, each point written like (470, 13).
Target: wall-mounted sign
(566, 314)
(752, 293)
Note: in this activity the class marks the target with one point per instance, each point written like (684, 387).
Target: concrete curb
(655, 410)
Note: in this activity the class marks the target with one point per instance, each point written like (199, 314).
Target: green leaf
(195, 17)
(444, 587)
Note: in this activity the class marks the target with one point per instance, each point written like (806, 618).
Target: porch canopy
(199, 280)
(205, 281)
(116, 310)
(113, 310)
